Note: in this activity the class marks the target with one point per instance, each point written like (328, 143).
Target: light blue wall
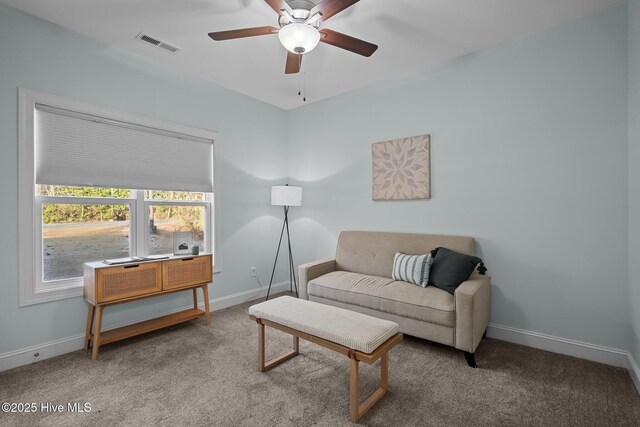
(39, 55)
(634, 173)
(529, 146)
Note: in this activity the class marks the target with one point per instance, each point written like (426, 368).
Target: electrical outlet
(253, 272)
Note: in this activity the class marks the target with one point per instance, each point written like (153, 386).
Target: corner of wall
(633, 122)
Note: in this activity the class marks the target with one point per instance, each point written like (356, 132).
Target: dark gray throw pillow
(451, 268)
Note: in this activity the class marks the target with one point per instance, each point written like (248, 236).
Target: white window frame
(31, 289)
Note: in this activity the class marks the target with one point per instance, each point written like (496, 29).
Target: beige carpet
(194, 374)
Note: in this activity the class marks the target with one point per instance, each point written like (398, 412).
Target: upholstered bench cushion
(348, 328)
(384, 294)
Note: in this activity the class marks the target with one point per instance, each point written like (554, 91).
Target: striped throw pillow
(412, 268)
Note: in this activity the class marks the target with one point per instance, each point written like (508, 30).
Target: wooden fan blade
(278, 5)
(346, 42)
(332, 7)
(244, 32)
(294, 61)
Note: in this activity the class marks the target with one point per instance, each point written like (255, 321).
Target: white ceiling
(411, 34)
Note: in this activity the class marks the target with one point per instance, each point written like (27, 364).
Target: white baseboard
(35, 353)
(582, 350)
(634, 371)
(47, 350)
(242, 297)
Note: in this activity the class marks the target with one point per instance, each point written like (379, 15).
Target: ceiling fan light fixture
(299, 38)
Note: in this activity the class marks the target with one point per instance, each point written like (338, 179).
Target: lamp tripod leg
(286, 222)
(276, 260)
(292, 271)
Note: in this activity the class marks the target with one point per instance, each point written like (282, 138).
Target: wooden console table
(106, 285)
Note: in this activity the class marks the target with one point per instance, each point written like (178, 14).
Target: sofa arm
(472, 312)
(310, 271)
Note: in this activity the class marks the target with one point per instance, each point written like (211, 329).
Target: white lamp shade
(285, 195)
(299, 38)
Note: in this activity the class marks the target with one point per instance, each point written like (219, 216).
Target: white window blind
(73, 148)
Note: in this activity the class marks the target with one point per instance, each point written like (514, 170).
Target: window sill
(38, 296)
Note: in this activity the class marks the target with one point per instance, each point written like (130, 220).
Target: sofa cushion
(412, 268)
(451, 268)
(372, 252)
(428, 304)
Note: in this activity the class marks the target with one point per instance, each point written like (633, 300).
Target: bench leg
(264, 365)
(384, 371)
(355, 408)
(354, 398)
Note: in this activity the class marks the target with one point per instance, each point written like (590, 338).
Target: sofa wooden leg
(485, 333)
(471, 359)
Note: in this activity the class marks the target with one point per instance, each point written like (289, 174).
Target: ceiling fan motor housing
(300, 14)
(297, 16)
(301, 5)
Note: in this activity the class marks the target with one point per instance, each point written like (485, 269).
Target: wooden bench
(360, 337)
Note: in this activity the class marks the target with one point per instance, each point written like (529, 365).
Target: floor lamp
(286, 196)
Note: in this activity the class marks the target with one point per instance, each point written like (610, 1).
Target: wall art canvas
(401, 169)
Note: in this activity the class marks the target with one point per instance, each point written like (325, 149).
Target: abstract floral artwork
(401, 169)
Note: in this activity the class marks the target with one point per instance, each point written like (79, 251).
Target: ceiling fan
(299, 30)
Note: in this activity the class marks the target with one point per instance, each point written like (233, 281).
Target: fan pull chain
(299, 90)
(302, 86)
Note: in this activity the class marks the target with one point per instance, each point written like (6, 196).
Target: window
(81, 224)
(73, 234)
(97, 184)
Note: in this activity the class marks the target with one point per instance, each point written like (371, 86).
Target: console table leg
(207, 311)
(87, 337)
(96, 334)
(195, 298)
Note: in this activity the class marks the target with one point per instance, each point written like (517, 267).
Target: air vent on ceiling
(160, 44)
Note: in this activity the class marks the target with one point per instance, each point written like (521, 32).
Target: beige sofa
(359, 279)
